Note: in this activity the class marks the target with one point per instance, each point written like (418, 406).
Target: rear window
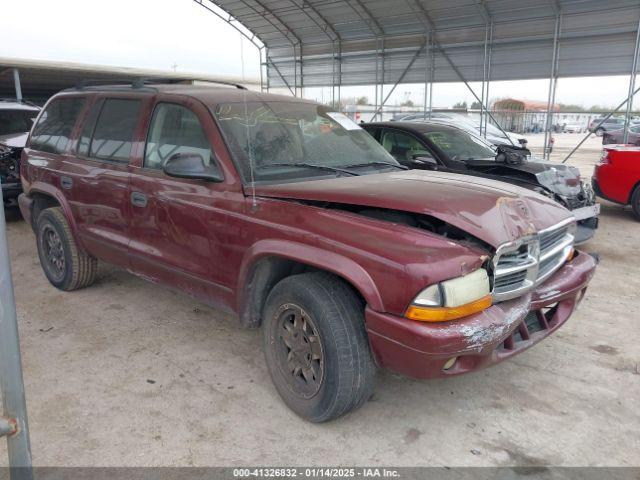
(51, 133)
(113, 134)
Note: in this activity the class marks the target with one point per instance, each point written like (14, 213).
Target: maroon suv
(291, 217)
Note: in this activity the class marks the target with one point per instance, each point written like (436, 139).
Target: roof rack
(144, 83)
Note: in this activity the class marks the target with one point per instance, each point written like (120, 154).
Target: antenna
(254, 203)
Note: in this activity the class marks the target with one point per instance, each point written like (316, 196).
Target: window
(459, 145)
(87, 131)
(51, 133)
(175, 129)
(402, 145)
(113, 135)
(16, 121)
(273, 141)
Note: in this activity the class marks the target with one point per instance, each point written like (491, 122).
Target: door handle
(66, 182)
(138, 199)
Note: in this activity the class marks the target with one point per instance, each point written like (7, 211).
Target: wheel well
(635, 187)
(41, 201)
(263, 276)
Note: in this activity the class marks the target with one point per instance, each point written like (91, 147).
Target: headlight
(452, 299)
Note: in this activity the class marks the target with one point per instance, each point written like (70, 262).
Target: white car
(574, 127)
(16, 119)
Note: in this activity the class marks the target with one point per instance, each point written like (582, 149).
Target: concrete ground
(126, 373)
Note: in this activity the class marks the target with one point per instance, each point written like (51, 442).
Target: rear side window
(175, 129)
(113, 134)
(51, 133)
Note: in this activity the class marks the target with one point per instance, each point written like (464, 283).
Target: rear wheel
(316, 346)
(635, 202)
(64, 265)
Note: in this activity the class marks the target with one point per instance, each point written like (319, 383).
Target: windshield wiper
(387, 164)
(309, 165)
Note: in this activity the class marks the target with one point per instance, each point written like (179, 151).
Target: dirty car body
(294, 189)
(457, 151)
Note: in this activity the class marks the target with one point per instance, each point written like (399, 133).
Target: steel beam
(275, 67)
(402, 75)
(16, 83)
(15, 423)
(553, 83)
(632, 86)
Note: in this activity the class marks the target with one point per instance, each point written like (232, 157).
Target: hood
(492, 211)
(563, 180)
(14, 139)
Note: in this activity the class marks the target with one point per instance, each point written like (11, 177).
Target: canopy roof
(357, 42)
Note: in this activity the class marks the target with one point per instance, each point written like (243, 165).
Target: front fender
(333, 262)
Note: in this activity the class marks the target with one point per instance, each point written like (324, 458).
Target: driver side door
(177, 225)
(405, 148)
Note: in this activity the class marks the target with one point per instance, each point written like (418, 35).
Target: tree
(476, 106)
(362, 101)
(407, 103)
(461, 105)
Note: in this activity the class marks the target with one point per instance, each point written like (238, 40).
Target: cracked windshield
(286, 141)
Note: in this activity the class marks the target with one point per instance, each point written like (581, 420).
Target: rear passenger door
(98, 185)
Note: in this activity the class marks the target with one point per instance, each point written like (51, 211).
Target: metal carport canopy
(310, 43)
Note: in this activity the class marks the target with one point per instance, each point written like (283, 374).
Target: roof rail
(144, 83)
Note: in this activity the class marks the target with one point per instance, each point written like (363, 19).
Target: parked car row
(398, 248)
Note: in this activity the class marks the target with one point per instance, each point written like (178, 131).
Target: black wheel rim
(299, 350)
(53, 252)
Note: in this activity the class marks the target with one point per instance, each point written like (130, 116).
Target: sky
(181, 35)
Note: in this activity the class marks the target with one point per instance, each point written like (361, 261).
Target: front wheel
(316, 346)
(599, 132)
(635, 202)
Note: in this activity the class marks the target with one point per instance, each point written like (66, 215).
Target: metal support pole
(15, 423)
(426, 75)
(432, 68)
(484, 72)
(488, 75)
(404, 73)
(601, 122)
(552, 85)
(632, 86)
(16, 83)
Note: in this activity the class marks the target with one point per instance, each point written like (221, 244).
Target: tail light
(604, 159)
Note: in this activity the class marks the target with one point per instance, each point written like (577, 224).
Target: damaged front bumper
(429, 350)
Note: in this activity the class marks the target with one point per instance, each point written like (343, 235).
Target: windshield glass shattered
(285, 141)
(459, 145)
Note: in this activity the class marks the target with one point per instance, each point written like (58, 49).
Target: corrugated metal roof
(322, 42)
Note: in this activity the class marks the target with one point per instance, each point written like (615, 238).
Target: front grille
(520, 266)
(535, 321)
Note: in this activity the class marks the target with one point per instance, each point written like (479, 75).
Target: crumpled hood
(492, 211)
(14, 139)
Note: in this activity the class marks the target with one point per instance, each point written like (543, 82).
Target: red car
(617, 176)
(293, 218)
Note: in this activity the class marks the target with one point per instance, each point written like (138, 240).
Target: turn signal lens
(444, 314)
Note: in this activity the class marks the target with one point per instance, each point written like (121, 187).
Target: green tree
(476, 105)
(407, 103)
(461, 105)
(362, 101)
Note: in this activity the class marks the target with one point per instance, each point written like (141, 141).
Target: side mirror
(190, 165)
(424, 160)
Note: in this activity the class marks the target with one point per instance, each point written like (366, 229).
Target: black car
(435, 146)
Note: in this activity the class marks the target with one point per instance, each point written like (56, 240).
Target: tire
(64, 265)
(599, 132)
(635, 202)
(330, 370)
